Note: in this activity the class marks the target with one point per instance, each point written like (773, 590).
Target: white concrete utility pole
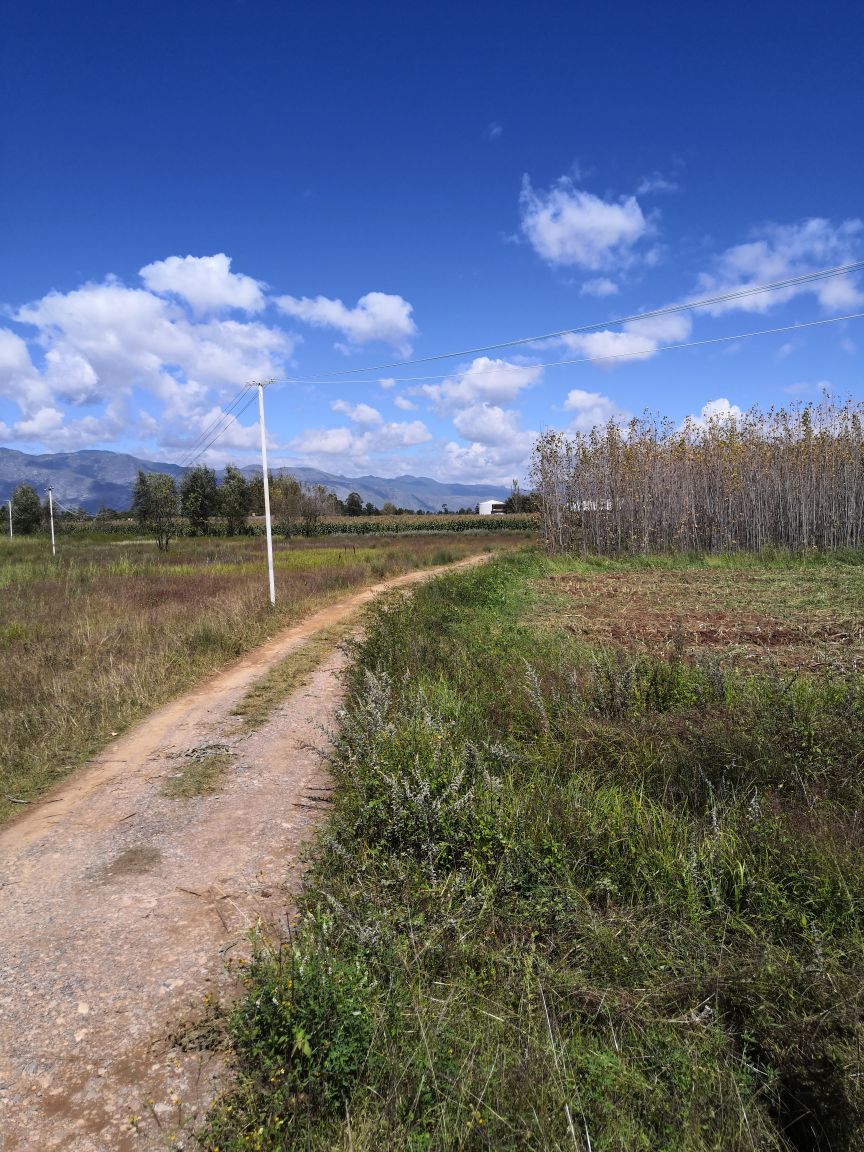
(51, 518)
(266, 492)
(10, 517)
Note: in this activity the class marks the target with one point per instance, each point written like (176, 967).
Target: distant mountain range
(92, 480)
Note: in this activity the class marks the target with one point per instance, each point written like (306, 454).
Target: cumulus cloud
(568, 226)
(359, 413)
(637, 340)
(591, 409)
(498, 463)
(494, 445)
(404, 403)
(782, 252)
(485, 379)
(377, 316)
(358, 448)
(715, 411)
(205, 282)
(96, 346)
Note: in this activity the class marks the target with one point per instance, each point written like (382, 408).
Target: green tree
(26, 510)
(155, 505)
(199, 497)
(286, 501)
(234, 500)
(256, 492)
(353, 504)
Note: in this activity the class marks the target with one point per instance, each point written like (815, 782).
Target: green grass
(266, 694)
(199, 771)
(96, 638)
(573, 893)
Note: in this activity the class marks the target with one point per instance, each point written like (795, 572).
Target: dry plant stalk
(786, 478)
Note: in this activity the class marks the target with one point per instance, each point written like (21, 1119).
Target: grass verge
(572, 895)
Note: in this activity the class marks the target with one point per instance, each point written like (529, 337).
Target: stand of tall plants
(783, 478)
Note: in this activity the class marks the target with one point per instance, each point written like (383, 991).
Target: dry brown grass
(92, 641)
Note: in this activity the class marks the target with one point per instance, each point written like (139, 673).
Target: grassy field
(593, 878)
(95, 638)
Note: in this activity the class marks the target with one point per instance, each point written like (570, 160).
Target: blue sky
(196, 195)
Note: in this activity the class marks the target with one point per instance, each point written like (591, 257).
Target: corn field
(786, 478)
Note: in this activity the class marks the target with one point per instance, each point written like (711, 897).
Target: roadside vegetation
(584, 886)
(96, 637)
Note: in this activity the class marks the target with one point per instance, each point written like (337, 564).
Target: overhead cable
(684, 306)
(647, 351)
(225, 416)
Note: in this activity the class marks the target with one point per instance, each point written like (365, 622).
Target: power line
(623, 355)
(705, 302)
(223, 416)
(231, 420)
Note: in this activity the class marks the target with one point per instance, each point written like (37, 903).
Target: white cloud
(654, 183)
(569, 226)
(487, 424)
(848, 346)
(205, 282)
(637, 340)
(102, 342)
(716, 411)
(497, 463)
(377, 316)
(601, 286)
(784, 350)
(592, 410)
(359, 413)
(356, 448)
(494, 131)
(387, 382)
(404, 403)
(493, 381)
(782, 252)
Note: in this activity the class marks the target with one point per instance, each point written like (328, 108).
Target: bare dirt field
(122, 900)
(753, 616)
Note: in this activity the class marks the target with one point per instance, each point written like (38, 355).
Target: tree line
(790, 477)
(160, 503)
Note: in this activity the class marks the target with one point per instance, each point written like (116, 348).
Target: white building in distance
(491, 507)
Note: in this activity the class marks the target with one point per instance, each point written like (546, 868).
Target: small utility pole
(51, 518)
(10, 517)
(266, 492)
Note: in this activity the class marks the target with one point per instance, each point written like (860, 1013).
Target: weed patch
(199, 771)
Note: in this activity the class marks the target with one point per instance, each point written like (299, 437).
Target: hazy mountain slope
(93, 479)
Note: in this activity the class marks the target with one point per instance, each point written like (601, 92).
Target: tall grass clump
(569, 897)
(787, 478)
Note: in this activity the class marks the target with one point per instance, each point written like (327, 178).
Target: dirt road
(119, 905)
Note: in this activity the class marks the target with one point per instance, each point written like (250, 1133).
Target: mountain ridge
(91, 479)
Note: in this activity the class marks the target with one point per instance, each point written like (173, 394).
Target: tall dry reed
(785, 478)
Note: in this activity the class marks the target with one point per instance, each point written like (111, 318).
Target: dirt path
(119, 906)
